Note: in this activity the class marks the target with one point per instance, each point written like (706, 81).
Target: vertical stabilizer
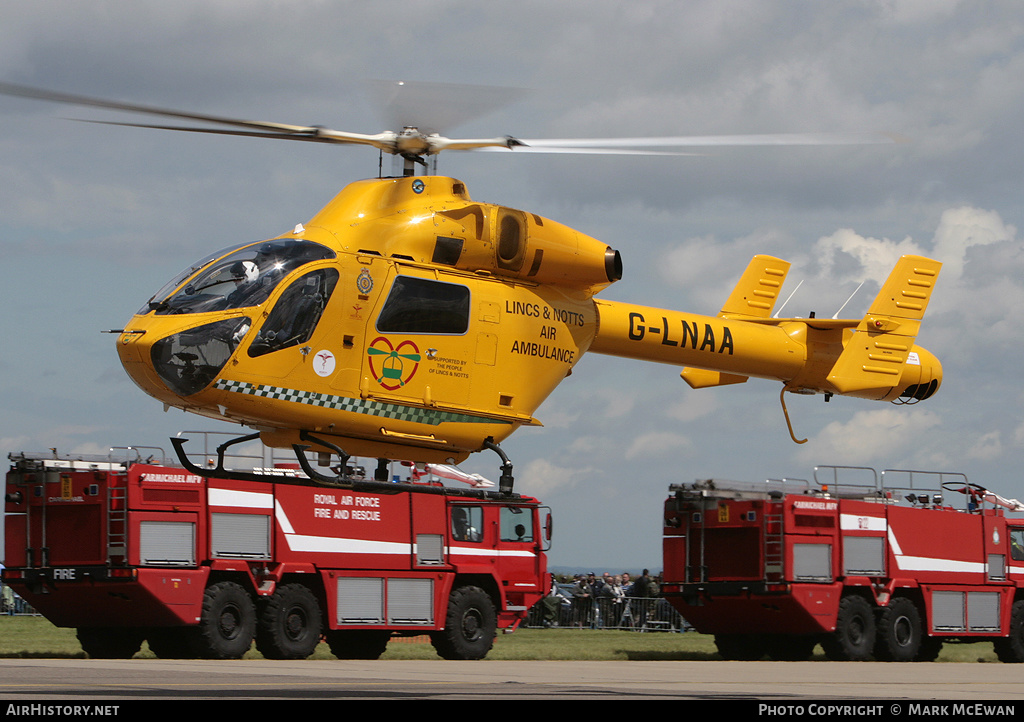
(758, 289)
(883, 342)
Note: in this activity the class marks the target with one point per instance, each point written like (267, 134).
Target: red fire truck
(201, 567)
(887, 566)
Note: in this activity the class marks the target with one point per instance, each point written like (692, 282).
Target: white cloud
(987, 448)
(659, 443)
(963, 228)
(875, 257)
(918, 11)
(693, 406)
(875, 436)
(541, 477)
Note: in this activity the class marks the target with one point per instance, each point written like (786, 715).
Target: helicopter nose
(188, 361)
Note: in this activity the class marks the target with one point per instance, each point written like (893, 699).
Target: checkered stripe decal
(431, 417)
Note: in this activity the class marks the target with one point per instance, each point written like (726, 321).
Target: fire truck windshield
(243, 278)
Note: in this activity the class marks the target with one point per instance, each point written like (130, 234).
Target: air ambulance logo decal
(323, 363)
(364, 282)
(393, 366)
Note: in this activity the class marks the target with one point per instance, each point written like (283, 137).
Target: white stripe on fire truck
(931, 564)
(311, 543)
(337, 545)
(855, 522)
(490, 552)
(243, 499)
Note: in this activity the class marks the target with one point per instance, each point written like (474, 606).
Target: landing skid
(339, 479)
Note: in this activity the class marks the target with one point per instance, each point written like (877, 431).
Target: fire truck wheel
(740, 647)
(469, 626)
(110, 642)
(854, 638)
(1011, 648)
(289, 623)
(899, 632)
(228, 622)
(357, 643)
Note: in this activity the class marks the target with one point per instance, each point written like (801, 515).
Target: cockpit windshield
(243, 278)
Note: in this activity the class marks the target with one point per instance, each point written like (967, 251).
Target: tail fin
(874, 356)
(753, 297)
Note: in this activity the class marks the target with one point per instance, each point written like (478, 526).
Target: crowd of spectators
(609, 600)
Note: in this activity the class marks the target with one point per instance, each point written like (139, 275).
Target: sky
(94, 218)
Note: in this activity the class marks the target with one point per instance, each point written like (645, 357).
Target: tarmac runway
(103, 682)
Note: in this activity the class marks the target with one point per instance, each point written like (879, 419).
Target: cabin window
(296, 313)
(467, 521)
(1017, 545)
(516, 524)
(419, 305)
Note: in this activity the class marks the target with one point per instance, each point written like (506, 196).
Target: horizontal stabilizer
(883, 342)
(702, 378)
(758, 289)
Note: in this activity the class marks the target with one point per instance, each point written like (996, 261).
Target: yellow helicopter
(407, 321)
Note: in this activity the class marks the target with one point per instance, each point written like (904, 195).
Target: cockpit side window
(242, 279)
(467, 523)
(420, 305)
(1017, 545)
(516, 524)
(296, 313)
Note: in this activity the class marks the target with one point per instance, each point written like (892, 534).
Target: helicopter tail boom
(873, 358)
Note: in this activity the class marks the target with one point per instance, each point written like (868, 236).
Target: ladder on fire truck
(773, 545)
(117, 524)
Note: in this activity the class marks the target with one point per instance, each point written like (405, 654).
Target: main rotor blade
(384, 141)
(528, 147)
(416, 143)
(24, 91)
(695, 141)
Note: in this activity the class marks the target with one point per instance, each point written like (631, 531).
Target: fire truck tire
(854, 638)
(741, 647)
(110, 642)
(358, 643)
(228, 622)
(1011, 648)
(899, 632)
(469, 627)
(289, 624)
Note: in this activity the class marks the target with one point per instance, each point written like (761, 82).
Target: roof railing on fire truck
(848, 482)
(728, 489)
(55, 460)
(134, 454)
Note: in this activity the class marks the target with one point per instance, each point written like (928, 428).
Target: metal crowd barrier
(636, 614)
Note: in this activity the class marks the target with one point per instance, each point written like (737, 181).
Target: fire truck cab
(876, 566)
(202, 567)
